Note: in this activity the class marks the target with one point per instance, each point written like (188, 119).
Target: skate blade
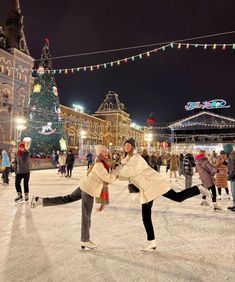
(150, 250)
(85, 248)
(19, 202)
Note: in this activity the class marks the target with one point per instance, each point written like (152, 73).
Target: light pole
(148, 137)
(20, 125)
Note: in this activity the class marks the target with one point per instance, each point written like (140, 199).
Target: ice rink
(43, 244)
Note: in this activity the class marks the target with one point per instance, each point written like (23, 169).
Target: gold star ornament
(37, 88)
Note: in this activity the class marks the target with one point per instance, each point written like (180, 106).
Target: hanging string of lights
(68, 122)
(120, 61)
(146, 54)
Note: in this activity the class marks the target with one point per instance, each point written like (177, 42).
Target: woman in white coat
(151, 186)
(91, 186)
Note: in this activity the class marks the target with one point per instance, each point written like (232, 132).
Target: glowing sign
(207, 105)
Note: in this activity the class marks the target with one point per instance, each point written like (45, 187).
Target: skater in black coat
(70, 162)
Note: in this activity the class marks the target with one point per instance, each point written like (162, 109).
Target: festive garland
(85, 125)
(180, 45)
(139, 56)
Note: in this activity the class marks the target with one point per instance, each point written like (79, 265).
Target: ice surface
(43, 244)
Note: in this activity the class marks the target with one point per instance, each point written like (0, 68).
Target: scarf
(20, 153)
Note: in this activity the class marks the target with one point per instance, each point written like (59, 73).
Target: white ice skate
(151, 245)
(88, 245)
(36, 201)
(217, 208)
(203, 190)
(204, 203)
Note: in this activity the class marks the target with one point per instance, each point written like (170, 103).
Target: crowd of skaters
(214, 172)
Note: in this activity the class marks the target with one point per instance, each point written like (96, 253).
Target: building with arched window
(110, 125)
(15, 75)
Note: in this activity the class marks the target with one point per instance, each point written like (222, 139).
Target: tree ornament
(55, 90)
(37, 88)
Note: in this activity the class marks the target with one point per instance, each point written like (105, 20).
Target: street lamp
(148, 137)
(20, 126)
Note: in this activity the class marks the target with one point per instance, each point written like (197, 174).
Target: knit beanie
(228, 148)
(21, 145)
(99, 149)
(130, 141)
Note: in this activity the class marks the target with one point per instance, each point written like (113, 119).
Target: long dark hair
(130, 153)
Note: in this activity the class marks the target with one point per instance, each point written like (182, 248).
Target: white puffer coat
(148, 180)
(92, 183)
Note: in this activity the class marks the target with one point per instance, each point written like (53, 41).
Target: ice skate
(217, 208)
(26, 197)
(151, 246)
(88, 245)
(36, 201)
(203, 190)
(19, 198)
(204, 203)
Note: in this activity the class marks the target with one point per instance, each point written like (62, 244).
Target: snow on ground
(43, 244)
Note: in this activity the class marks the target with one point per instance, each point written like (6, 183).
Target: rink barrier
(37, 163)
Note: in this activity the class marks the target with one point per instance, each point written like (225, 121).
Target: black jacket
(23, 163)
(70, 159)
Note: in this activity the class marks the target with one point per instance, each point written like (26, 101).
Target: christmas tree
(45, 126)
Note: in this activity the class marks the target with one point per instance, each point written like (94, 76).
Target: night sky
(162, 83)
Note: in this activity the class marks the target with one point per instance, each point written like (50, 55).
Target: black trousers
(18, 179)
(172, 195)
(226, 189)
(69, 170)
(147, 220)
(182, 195)
(89, 163)
(5, 175)
(61, 200)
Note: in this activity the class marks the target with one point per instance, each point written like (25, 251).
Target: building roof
(204, 119)
(111, 103)
(12, 35)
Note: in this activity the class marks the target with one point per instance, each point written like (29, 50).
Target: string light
(140, 56)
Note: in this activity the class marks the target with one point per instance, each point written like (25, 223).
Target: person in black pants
(151, 186)
(70, 162)
(172, 195)
(22, 172)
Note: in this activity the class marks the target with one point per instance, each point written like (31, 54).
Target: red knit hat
(21, 145)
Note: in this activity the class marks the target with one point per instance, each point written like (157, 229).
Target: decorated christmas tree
(45, 126)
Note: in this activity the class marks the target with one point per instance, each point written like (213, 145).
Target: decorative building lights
(78, 108)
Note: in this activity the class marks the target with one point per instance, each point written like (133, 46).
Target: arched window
(71, 138)
(110, 106)
(8, 71)
(106, 106)
(5, 98)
